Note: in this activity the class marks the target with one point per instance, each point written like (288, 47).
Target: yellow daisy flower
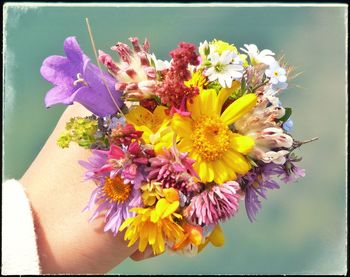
(151, 192)
(197, 80)
(219, 152)
(155, 126)
(156, 225)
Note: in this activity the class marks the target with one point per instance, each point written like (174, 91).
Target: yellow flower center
(116, 189)
(210, 137)
(275, 73)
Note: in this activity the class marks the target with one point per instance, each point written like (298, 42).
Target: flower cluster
(177, 146)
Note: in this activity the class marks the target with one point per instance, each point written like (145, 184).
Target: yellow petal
(193, 105)
(170, 209)
(154, 215)
(147, 133)
(159, 141)
(159, 116)
(133, 240)
(171, 194)
(221, 172)
(202, 170)
(237, 162)
(242, 144)
(224, 93)
(202, 246)
(210, 171)
(161, 206)
(152, 234)
(181, 243)
(196, 236)
(217, 236)
(160, 241)
(139, 115)
(126, 223)
(238, 108)
(209, 102)
(143, 243)
(181, 125)
(185, 145)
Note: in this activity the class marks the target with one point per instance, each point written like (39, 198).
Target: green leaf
(214, 85)
(251, 161)
(153, 64)
(287, 114)
(158, 100)
(243, 84)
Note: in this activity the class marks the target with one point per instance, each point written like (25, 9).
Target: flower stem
(99, 65)
(297, 144)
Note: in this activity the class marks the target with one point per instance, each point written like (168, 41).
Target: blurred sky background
(302, 226)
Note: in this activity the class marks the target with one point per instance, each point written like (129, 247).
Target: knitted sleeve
(19, 248)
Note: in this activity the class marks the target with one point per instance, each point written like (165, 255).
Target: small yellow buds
(80, 130)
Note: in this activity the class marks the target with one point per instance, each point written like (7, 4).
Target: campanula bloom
(76, 79)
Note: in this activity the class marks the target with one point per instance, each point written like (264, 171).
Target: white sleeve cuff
(19, 248)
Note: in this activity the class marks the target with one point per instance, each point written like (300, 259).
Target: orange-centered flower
(116, 189)
(218, 151)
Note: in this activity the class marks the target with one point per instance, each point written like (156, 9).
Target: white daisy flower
(276, 74)
(256, 56)
(222, 68)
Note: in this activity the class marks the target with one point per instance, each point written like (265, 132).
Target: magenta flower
(76, 79)
(172, 91)
(173, 169)
(218, 203)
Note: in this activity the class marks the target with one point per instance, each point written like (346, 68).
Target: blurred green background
(302, 227)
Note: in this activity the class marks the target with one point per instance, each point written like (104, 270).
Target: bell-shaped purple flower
(76, 79)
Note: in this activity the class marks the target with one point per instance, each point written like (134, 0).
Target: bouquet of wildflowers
(177, 146)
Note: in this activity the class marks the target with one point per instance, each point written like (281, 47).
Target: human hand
(67, 241)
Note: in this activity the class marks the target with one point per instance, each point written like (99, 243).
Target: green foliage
(79, 130)
(214, 85)
(251, 161)
(287, 114)
(239, 92)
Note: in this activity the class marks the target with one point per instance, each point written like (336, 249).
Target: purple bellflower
(76, 79)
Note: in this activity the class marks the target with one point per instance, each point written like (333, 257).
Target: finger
(139, 256)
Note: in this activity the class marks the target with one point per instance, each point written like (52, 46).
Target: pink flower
(124, 134)
(218, 202)
(174, 170)
(172, 91)
(135, 76)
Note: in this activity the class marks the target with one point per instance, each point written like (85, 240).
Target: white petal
(274, 65)
(236, 75)
(282, 78)
(222, 81)
(268, 72)
(209, 71)
(226, 57)
(281, 71)
(266, 59)
(213, 77)
(280, 160)
(253, 48)
(214, 57)
(266, 52)
(274, 80)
